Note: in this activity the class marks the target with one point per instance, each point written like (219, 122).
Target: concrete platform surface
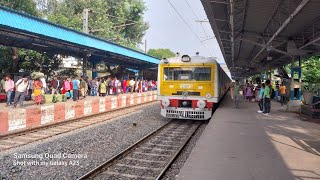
(241, 144)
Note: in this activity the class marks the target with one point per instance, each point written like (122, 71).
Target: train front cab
(188, 99)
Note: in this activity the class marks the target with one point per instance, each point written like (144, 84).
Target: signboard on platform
(47, 114)
(114, 102)
(87, 108)
(70, 112)
(102, 105)
(131, 99)
(139, 99)
(17, 119)
(145, 97)
(124, 101)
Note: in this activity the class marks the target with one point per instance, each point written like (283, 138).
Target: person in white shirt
(44, 85)
(22, 88)
(132, 83)
(116, 84)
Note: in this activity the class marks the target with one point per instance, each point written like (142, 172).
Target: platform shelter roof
(25, 31)
(257, 35)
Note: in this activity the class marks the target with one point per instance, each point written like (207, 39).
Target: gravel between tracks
(173, 171)
(96, 144)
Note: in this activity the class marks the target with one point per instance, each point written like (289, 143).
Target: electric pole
(85, 30)
(85, 20)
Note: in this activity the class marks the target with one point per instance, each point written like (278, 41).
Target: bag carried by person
(64, 98)
(28, 97)
(54, 98)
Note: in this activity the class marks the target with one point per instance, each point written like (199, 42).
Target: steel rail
(177, 154)
(122, 153)
(113, 160)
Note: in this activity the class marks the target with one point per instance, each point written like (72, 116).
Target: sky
(168, 30)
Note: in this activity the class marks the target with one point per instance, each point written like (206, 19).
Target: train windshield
(187, 74)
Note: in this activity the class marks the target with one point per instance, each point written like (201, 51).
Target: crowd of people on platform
(261, 93)
(70, 88)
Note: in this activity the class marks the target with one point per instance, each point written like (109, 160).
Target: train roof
(194, 60)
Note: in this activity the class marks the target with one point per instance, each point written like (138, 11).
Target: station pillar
(94, 70)
(294, 104)
(295, 90)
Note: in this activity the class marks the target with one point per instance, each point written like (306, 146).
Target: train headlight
(184, 103)
(208, 96)
(165, 102)
(201, 104)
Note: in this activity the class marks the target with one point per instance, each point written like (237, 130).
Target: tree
(38, 61)
(310, 69)
(161, 53)
(118, 21)
(26, 6)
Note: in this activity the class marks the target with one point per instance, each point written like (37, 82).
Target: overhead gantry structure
(257, 35)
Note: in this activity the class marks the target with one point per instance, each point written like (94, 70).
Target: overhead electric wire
(187, 24)
(196, 18)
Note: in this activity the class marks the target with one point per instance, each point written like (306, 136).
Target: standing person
(55, 85)
(132, 83)
(260, 102)
(94, 87)
(83, 87)
(66, 88)
(44, 85)
(22, 87)
(248, 92)
(236, 93)
(108, 86)
(283, 91)
(257, 92)
(103, 88)
(124, 86)
(267, 96)
(9, 87)
(136, 88)
(37, 91)
(76, 87)
(88, 85)
(117, 85)
(128, 85)
(2, 85)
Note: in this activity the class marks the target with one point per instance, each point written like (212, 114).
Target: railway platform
(32, 116)
(243, 144)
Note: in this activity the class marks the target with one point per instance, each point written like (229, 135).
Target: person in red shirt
(71, 89)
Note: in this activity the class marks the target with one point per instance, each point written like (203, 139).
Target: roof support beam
(311, 42)
(232, 29)
(284, 25)
(220, 2)
(268, 47)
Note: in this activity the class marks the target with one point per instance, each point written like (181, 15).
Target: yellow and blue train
(190, 87)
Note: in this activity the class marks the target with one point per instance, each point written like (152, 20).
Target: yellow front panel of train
(196, 79)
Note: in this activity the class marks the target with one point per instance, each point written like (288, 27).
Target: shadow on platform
(243, 144)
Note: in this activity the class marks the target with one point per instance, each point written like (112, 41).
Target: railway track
(150, 157)
(29, 136)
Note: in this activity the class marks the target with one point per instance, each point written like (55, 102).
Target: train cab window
(187, 74)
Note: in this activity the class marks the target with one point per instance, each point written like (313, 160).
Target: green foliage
(31, 61)
(26, 6)
(118, 21)
(310, 69)
(70, 72)
(161, 53)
